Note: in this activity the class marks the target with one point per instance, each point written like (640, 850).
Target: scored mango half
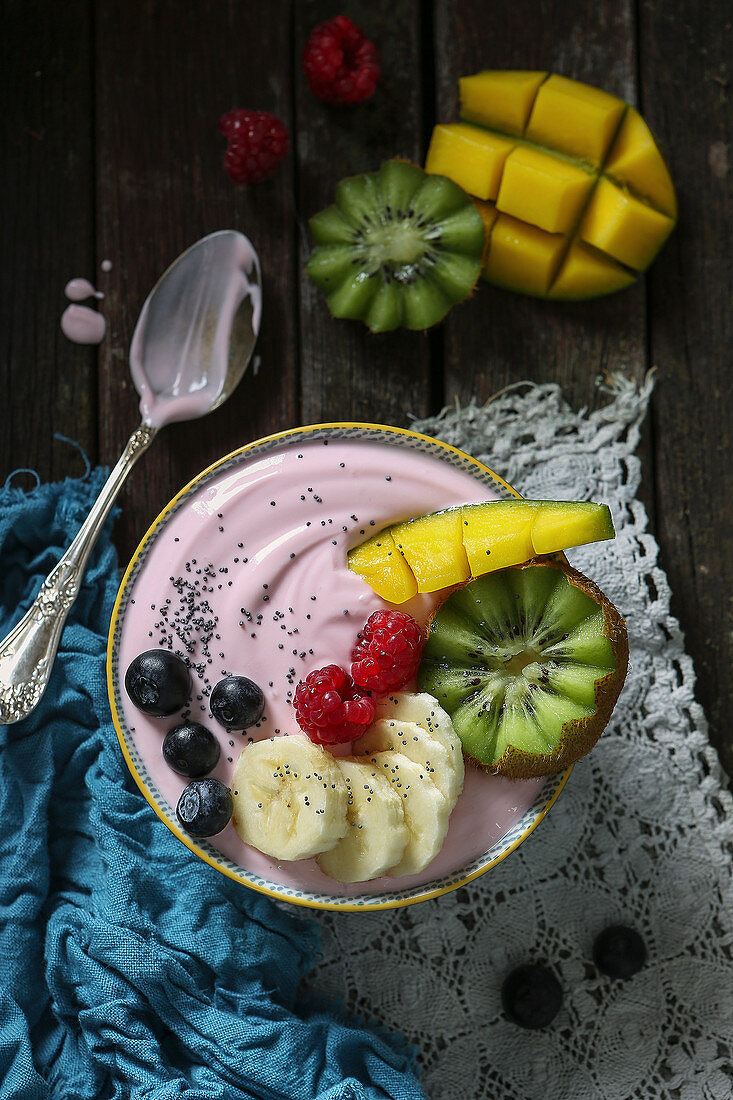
(446, 548)
(575, 197)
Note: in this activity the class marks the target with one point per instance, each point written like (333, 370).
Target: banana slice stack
(383, 811)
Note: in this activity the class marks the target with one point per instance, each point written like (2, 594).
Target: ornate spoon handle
(27, 653)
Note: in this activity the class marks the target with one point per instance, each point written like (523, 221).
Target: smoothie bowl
(246, 574)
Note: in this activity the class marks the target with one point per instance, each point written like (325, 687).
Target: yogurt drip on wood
(80, 324)
(77, 290)
(83, 325)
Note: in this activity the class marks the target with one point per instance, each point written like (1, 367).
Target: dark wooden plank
(46, 227)
(499, 337)
(165, 74)
(346, 372)
(686, 96)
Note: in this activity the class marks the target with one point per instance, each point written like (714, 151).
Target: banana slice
(426, 811)
(423, 710)
(377, 835)
(290, 798)
(420, 746)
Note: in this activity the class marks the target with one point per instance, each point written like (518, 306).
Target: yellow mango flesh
(522, 257)
(542, 190)
(500, 99)
(557, 526)
(449, 547)
(627, 229)
(476, 155)
(498, 535)
(587, 273)
(574, 118)
(432, 546)
(583, 197)
(384, 569)
(635, 161)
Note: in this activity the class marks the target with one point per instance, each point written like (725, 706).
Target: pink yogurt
(259, 552)
(83, 325)
(181, 346)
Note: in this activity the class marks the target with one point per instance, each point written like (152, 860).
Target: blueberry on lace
(531, 996)
(619, 951)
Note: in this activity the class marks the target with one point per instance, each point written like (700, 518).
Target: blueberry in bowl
(205, 807)
(191, 749)
(237, 703)
(158, 682)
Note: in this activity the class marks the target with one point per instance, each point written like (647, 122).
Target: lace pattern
(641, 835)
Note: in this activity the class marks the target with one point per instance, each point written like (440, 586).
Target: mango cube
(501, 100)
(496, 535)
(433, 548)
(522, 257)
(543, 189)
(384, 569)
(635, 160)
(587, 273)
(557, 525)
(473, 158)
(624, 227)
(574, 118)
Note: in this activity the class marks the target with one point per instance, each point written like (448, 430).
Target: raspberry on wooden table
(387, 652)
(256, 143)
(330, 708)
(341, 64)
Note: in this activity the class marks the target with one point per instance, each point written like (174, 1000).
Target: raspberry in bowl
(245, 574)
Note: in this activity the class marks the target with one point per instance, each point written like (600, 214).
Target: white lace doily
(641, 835)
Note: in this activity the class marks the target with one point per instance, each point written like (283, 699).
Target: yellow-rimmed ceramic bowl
(466, 855)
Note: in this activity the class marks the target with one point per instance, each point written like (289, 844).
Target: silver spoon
(191, 346)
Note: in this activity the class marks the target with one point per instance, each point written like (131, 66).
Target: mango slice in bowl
(446, 548)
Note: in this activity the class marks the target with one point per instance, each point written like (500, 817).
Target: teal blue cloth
(128, 968)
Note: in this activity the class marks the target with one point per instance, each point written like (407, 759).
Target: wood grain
(347, 373)
(47, 237)
(165, 74)
(688, 105)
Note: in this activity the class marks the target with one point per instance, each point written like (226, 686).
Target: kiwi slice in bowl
(529, 662)
(399, 247)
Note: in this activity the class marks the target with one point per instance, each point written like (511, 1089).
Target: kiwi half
(398, 247)
(529, 662)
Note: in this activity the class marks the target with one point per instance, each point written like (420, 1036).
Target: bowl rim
(367, 903)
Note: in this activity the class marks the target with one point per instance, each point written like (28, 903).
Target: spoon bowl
(197, 329)
(192, 343)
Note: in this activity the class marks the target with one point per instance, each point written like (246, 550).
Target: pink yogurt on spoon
(180, 351)
(249, 575)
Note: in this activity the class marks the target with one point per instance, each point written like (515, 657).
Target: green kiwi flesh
(398, 248)
(529, 662)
